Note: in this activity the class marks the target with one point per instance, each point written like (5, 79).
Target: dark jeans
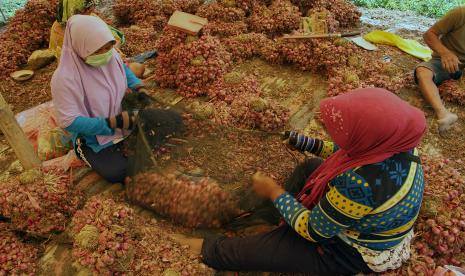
(283, 250)
(110, 163)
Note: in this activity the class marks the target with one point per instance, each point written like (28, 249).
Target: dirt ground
(230, 155)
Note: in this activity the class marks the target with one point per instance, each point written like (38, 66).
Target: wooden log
(16, 137)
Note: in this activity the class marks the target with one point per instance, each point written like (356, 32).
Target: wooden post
(16, 137)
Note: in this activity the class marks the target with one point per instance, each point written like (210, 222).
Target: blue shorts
(440, 75)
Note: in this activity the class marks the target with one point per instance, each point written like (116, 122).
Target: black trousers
(283, 250)
(110, 163)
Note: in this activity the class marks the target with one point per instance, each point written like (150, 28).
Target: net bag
(201, 203)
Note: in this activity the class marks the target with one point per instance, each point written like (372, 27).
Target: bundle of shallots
(16, 257)
(39, 203)
(200, 64)
(453, 91)
(281, 17)
(26, 32)
(192, 204)
(245, 46)
(103, 236)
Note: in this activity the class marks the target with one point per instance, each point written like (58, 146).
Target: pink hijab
(79, 89)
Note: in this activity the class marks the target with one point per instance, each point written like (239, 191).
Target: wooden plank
(187, 22)
(16, 137)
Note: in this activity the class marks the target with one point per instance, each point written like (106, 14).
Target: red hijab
(369, 125)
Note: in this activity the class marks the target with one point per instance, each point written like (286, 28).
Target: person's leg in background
(428, 76)
(110, 163)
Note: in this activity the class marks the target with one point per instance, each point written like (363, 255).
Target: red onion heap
(345, 12)
(103, 237)
(225, 29)
(136, 12)
(170, 6)
(158, 254)
(138, 40)
(281, 17)
(453, 91)
(201, 204)
(16, 257)
(200, 64)
(245, 46)
(246, 5)
(324, 14)
(109, 239)
(220, 12)
(169, 39)
(39, 203)
(242, 104)
(26, 32)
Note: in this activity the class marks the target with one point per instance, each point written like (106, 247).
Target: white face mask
(100, 60)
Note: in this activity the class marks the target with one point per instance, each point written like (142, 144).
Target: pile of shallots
(192, 204)
(241, 103)
(39, 203)
(26, 32)
(345, 13)
(110, 239)
(151, 13)
(453, 91)
(345, 65)
(278, 18)
(138, 40)
(103, 236)
(16, 256)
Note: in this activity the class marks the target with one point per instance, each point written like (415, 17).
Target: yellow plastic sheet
(411, 47)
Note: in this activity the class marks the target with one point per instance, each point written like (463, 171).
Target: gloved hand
(137, 100)
(125, 120)
(299, 141)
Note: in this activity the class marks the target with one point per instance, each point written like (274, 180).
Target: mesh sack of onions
(26, 32)
(192, 204)
(201, 63)
(453, 91)
(281, 17)
(245, 46)
(103, 237)
(39, 203)
(16, 256)
(220, 12)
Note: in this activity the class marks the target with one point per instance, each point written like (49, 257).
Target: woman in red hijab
(351, 213)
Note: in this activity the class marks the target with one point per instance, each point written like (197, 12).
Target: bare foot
(446, 122)
(195, 245)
